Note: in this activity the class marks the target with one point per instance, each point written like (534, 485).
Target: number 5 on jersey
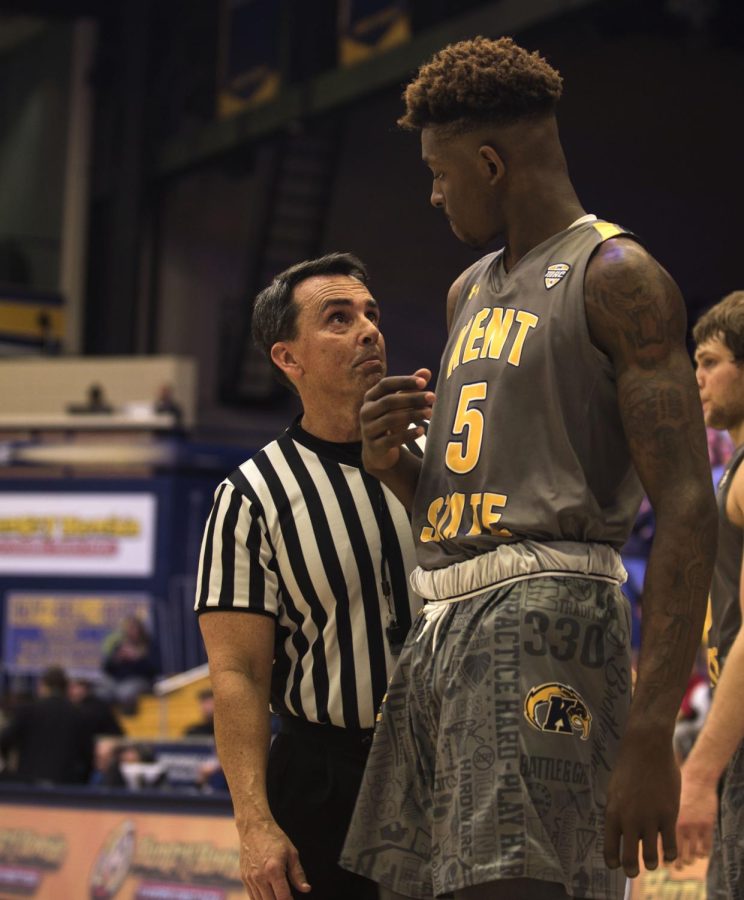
(462, 456)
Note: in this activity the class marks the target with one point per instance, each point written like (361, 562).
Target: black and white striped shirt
(296, 533)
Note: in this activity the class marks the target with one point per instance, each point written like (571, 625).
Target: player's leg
(388, 840)
(575, 667)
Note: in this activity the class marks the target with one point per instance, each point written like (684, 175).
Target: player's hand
(642, 802)
(269, 862)
(698, 807)
(392, 413)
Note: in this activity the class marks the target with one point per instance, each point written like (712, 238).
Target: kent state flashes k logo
(556, 708)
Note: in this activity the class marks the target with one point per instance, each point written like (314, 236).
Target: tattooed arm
(636, 316)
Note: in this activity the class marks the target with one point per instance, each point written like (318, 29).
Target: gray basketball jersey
(724, 588)
(525, 440)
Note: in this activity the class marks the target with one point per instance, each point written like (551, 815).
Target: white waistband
(514, 562)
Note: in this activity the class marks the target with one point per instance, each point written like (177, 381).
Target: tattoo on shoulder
(635, 310)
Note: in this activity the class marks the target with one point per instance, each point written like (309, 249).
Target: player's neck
(737, 434)
(331, 423)
(541, 211)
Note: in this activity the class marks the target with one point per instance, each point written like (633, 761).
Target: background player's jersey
(526, 439)
(724, 588)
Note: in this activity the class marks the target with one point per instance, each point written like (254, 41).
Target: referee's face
(339, 349)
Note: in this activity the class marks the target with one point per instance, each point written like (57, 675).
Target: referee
(317, 554)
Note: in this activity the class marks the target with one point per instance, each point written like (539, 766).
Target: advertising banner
(670, 883)
(369, 27)
(32, 320)
(87, 534)
(50, 853)
(42, 629)
(249, 55)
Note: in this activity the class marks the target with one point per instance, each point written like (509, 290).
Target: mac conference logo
(556, 708)
(554, 273)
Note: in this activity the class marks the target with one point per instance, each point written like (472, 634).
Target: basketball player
(508, 761)
(712, 802)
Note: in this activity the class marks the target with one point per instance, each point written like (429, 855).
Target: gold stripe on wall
(22, 319)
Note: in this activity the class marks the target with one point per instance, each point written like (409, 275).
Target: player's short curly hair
(479, 82)
(724, 321)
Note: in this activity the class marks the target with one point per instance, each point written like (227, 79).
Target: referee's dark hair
(274, 312)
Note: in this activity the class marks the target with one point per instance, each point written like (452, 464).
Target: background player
(712, 801)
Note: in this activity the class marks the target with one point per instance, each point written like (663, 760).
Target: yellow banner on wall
(249, 55)
(53, 853)
(370, 27)
(32, 319)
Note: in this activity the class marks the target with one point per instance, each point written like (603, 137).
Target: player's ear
(493, 161)
(283, 357)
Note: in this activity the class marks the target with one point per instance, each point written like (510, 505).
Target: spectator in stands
(96, 402)
(97, 712)
(4, 710)
(129, 664)
(49, 344)
(104, 756)
(635, 559)
(206, 706)
(211, 777)
(49, 736)
(112, 760)
(720, 451)
(165, 402)
(693, 711)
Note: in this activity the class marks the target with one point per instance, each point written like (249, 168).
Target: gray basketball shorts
(495, 742)
(725, 880)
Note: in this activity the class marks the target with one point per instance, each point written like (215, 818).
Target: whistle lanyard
(395, 631)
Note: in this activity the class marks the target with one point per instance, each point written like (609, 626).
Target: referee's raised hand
(269, 863)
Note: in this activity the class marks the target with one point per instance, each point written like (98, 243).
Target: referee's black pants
(313, 778)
